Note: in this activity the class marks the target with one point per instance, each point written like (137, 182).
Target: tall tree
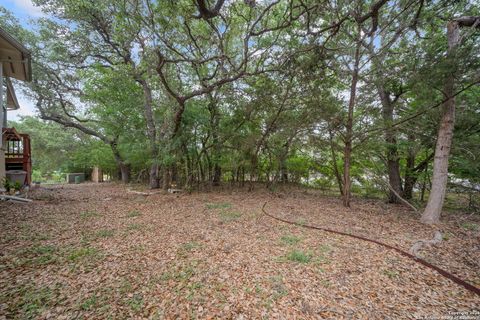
(436, 198)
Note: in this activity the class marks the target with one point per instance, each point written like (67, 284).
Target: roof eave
(26, 55)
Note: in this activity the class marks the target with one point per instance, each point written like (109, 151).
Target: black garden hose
(444, 273)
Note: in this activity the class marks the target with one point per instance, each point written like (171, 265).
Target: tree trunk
(201, 170)
(125, 173)
(393, 162)
(349, 129)
(122, 166)
(151, 133)
(424, 185)
(283, 170)
(166, 178)
(409, 184)
(334, 162)
(436, 198)
(214, 123)
(188, 169)
(153, 176)
(242, 179)
(283, 160)
(410, 174)
(253, 171)
(217, 175)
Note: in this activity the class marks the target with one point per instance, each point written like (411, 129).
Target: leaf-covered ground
(96, 251)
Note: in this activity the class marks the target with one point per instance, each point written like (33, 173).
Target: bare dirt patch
(96, 251)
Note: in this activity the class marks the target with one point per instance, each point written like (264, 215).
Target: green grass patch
(219, 205)
(278, 287)
(470, 226)
(83, 254)
(321, 255)
(180, 274)
(125, 286)
(89, 303)
(138, 248)
(189, 246)
(134, 226)
(193, 289)
(447, 236)
(301, 222)
(258, 289)
(325, 283)
(185, 273)
(392, 274)
(105, 233)
(98, 302)
(39, 250)
(38, 255)
(89, 214)
(224, 213)
(136, 302)
(38, 237)
(325, 248)
(298, 256)
(133, 214)
(33, 301)
(186, 248)
(321, 259)
(45, 259)
(227, 216)
(290, 239)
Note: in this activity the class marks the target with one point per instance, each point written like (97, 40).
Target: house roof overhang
(11, 134)
(15, 58)
(12, 102)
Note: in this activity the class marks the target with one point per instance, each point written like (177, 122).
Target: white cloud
(27, 108)
(28, 7)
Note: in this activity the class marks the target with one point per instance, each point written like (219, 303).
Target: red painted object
(18, 152)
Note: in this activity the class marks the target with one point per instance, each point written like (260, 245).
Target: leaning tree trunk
(444, 140)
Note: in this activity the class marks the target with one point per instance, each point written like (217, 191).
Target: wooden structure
(15, 62)
(18, 152)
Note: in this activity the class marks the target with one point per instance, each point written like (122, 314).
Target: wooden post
(27, 160)
(2, 151)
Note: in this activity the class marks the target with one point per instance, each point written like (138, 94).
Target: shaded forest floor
(97, 251)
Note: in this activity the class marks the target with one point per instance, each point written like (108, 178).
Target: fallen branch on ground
(143, 193)
(14, 199)
(400, 198)
(427, 264)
